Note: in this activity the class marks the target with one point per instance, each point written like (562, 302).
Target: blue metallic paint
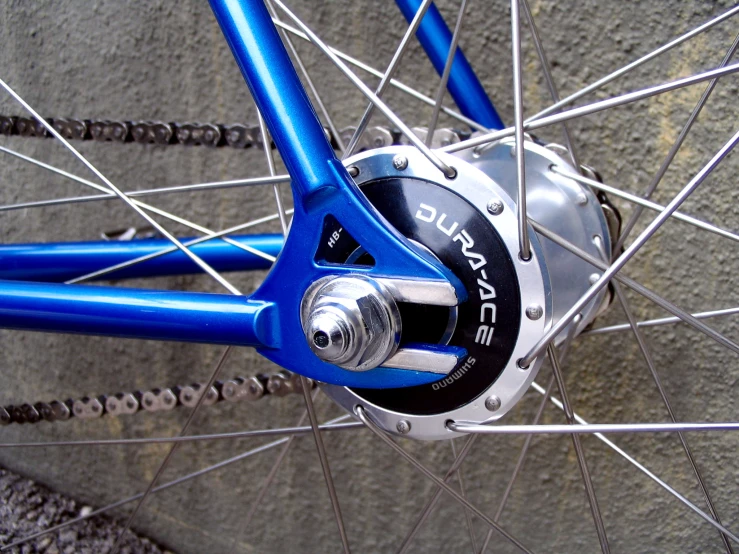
(59, 262)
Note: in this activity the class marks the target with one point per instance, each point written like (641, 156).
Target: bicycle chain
(280, 383)
(213, 135)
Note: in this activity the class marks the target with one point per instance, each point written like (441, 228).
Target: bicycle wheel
(155, 62)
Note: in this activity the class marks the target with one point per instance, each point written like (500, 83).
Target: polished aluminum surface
(478, 189)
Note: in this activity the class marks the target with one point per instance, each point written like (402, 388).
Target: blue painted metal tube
(136, 313)
(464, 86)
(59, 262)
(276, 89)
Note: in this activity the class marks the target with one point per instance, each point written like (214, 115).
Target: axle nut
(351, 321)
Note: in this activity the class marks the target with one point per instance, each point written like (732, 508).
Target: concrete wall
(161, 60)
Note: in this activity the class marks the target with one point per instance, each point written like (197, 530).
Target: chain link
(238, 389)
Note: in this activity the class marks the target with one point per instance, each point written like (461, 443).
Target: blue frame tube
(463, 85)
(59, 262)
(138, 313)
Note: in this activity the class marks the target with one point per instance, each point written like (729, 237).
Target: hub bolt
(534, 312)
(492, 403)
(400, 162)
(495, 207)
(403, 427)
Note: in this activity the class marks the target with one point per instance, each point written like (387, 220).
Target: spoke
(591, 428)
(189, 438)
(397, 84)
(323, 458)
(267, 141)
(172, 450)
(131, 203)
(527, 441)
(593, 108)
(273, 472)
(649, 360)
(641, 289)
(580, 452)
(434, 498)
(467, 515)
(524, 246)
(658, 322)
(445, 74)
(387, 77)
(519, 464)
(314, 91)
(629, 252)
(449, 172)
(147, 207)
(608, 442)
(161, 487)
(673, 149)
(633, 65)
(134, 193)
(99, 273)
(547, 70)
(645, 203)
(362, 415)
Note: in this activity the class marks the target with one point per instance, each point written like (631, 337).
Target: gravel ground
(27, 507)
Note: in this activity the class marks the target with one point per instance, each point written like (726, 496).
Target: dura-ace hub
(469, 224)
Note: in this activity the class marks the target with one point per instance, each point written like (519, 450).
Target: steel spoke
(645, 203)
(445, 74)
(147, 207)
(629, 252)
(387, 77)
(433, 499)
(323, 458)
(643, 469)
(165, 462)
(547, 70)
(649, 360)
(397, 84)
(131, 203)
(161, 487)
(580, 452)
(591, 428)
(133, 193)
(641, 289)
(266, 141)
(362, 415)
(364, 89)
(658, 322)
(100, 272)
(527, 441)
(673, 149)
(595, 107)
(633, 65)
(188, 438)
(314, 91)
(467, 515)
(524, 246)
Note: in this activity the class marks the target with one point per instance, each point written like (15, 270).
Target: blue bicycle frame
(269, 319)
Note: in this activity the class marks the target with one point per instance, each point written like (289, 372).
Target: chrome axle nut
(351, 321)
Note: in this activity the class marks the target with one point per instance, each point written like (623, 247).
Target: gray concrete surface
(161, 60)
